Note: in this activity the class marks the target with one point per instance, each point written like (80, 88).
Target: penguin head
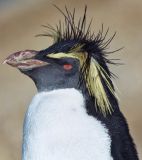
(76, 59)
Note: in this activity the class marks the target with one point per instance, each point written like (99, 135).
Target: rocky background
(21, 20)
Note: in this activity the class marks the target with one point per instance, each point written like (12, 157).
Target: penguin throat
(57, 126)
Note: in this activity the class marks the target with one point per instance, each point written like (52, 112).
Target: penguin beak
(24, 60)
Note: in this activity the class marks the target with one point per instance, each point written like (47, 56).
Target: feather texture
(90, 50)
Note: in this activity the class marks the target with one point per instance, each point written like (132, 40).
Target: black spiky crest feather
(93, 62)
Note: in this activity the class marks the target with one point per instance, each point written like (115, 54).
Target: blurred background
(21, 20)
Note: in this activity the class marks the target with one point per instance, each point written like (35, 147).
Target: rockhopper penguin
(75, 114)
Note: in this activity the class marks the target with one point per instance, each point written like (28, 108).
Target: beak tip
(5, 61)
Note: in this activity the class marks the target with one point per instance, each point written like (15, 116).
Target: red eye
(67, 66)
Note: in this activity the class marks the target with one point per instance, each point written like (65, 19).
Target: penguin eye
(67, 66)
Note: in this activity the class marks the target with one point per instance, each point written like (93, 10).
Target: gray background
(21, 20)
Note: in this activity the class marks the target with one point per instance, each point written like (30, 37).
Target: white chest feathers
(57, 127)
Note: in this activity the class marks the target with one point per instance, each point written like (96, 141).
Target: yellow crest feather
(93, 79)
